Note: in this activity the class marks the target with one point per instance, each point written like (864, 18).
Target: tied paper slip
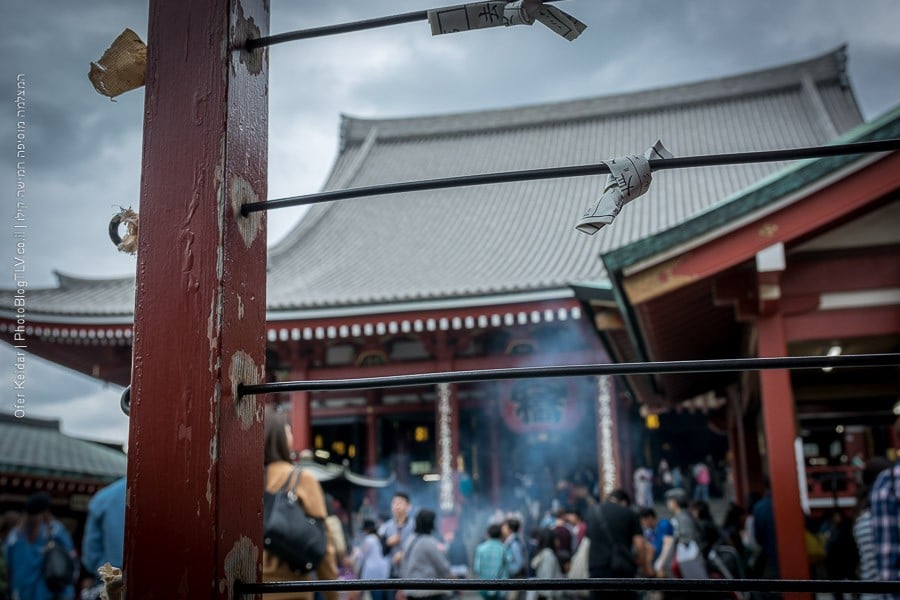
(629, 177)
(498, 13)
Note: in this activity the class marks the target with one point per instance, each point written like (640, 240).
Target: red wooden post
(738, 446)
(301, 406)
(779, 423)
(195, 474)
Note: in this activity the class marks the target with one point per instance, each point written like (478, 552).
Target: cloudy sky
(85, 151)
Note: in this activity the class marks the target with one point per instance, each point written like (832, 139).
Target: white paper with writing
(629, 178)
(498, 13)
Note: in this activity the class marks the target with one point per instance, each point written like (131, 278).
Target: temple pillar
(494, 420)
(779, 421)
(737, 443)
(371, 443)
(301, 406)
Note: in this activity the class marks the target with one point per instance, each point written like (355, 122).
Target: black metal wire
(646, 368)
(656, 164)
(643, 584)
(304, 34)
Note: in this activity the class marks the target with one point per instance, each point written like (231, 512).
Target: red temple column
(737, 443)
(195, 460)
(494, 420)
(779, 421)
(371, 440)
(301, 402)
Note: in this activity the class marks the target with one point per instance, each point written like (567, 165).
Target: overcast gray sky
(85, 151)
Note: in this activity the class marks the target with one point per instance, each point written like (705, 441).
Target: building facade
(487, 276)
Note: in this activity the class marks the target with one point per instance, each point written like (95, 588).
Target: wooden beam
(874, 269)
(825, 207)
(195, 470)
(608, 320)
(845, 323)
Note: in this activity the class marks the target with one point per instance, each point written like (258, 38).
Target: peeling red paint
(193, 445)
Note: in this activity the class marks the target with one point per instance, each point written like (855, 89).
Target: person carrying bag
(292, 491)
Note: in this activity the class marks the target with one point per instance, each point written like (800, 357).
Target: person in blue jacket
(104, 531)
(26, 547)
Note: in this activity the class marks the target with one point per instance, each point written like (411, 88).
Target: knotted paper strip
(499, 13)
(629, 177)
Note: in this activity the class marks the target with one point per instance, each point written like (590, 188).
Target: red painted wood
(876, 268)
(826, 207)
(371, 441)
(301, 407)
(301, 420)
(738, 445)
(779, 420)
(843, 323)
(493, 425)
(195, 451)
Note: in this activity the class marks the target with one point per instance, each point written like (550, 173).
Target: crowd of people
(39, 559)
(578, 536)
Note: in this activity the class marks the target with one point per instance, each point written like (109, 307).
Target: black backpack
(385, 549)
(58, 568)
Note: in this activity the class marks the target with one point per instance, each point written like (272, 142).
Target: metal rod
(304, 34)
(574, 171)
(685, 366)
(695, 585)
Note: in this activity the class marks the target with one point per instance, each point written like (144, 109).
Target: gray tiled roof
(519, 237)
(37, 447)
(76, 295)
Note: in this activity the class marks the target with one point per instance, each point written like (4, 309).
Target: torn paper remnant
(629, 177)
(112, 582)
(499, 13)
(122, 66)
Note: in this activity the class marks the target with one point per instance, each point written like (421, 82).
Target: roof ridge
(66, 280)
(824, 67)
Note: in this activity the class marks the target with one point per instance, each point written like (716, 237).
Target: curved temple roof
(472, 243)
(36, 446)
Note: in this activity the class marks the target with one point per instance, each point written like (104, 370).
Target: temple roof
(474, 244)
(36, 446)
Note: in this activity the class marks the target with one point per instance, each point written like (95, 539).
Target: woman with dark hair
(370, 558)
(278, 468)
(709, 532)
(423, 558)
(545, 565)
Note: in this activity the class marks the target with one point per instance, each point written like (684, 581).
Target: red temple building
(765, 259)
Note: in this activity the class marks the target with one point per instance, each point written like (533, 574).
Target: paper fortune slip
(499, 13)
(629, 177)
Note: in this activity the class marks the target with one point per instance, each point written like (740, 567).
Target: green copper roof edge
(770, 189)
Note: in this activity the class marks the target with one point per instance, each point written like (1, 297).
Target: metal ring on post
(125, 401)
(114, 231)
